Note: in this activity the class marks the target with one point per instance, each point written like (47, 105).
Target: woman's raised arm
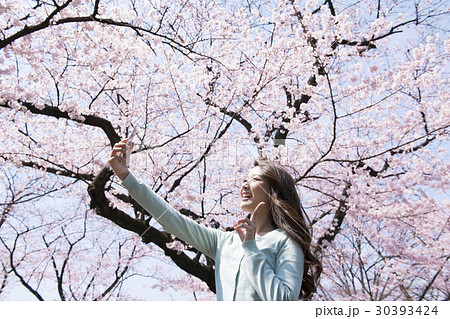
(201, 237)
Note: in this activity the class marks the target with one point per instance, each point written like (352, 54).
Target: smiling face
(254, 190)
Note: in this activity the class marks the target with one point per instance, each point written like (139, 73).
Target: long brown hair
(289, 215)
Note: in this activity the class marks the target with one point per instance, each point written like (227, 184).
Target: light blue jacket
(267, 268)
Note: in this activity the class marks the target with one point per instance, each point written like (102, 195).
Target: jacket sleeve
(280, 282)
(201, 237)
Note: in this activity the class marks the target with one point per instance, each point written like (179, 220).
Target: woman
(268, 258)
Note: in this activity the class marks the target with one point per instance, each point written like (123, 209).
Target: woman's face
(254, 190)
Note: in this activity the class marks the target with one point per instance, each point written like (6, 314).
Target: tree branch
(427, 288)
(34, 28)
(118, 276)
(177, 182)
(55, 112)
(336, 223)
(16, 272)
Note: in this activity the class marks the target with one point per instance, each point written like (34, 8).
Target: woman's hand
(117, 159)
(245, 227)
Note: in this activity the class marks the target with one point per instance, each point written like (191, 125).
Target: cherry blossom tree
(351, 96)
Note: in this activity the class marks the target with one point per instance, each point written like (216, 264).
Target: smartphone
(130, 139)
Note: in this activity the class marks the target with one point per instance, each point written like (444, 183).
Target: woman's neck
(264, 227)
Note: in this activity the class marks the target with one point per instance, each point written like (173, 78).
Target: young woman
(268, 257)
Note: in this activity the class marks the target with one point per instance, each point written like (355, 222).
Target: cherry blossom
(351, 96)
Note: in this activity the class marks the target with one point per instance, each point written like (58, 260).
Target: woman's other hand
(246, 227)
